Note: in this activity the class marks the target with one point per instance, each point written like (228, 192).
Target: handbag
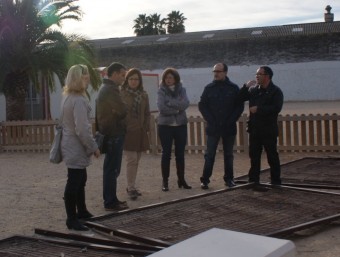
(55, 151)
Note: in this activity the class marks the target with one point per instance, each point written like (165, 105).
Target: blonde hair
(74, 82)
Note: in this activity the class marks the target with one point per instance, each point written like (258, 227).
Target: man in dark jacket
(221, 110)
(265, 104)
(110, 115)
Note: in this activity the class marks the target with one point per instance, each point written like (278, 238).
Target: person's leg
(73, 184)
(209, 156)
(228, 154)
(166, 137)
(139, 155)
(131, 172)
(82, 212)
(270, 145)
(131, 168)
(255, 151)
(180, 138)
(111, 170)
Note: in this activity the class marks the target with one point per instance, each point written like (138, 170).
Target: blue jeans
(111, 169)
(210, 154)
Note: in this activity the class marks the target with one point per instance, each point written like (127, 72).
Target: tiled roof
(228, 34)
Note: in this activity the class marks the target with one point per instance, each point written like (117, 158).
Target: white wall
(150, 84)
(312, 81)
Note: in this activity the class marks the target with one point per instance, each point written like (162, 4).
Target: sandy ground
(32, 188)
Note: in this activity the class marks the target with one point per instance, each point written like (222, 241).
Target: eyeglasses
(261, 74)
(133, 79)
(218, 71)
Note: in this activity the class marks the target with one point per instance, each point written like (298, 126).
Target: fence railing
(303, 133)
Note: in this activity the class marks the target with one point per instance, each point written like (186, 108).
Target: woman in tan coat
(138, 123)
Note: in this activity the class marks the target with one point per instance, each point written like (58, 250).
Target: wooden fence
(312, 133)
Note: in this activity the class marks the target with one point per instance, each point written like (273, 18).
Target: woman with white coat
(77, 144)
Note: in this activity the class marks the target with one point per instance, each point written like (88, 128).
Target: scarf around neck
(136, 101)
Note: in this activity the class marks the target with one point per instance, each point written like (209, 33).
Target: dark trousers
(111, 169)
(169, 135)
(74, 194)
(256, 143)
(210, 154)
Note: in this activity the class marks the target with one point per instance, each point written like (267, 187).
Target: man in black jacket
(221, 110)
(265, 103)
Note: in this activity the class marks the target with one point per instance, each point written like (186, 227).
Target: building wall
(309, 81)
(305, 66)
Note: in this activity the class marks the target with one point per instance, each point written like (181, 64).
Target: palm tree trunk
(15, 108)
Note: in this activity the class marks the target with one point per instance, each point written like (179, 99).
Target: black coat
(269, 103)
(220, 108)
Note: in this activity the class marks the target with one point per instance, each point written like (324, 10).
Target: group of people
(123, 117)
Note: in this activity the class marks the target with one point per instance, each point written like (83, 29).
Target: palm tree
(149, 25)
(32, 51)
(156, 24)
(141, 25)
(175, 22)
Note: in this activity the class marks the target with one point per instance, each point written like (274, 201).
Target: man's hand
(253, 109)
(250, 83)
(96, 153)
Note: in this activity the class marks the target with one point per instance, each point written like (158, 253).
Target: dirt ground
(32, 188)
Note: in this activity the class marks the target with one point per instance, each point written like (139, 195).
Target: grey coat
(77, 144)
(172, 105)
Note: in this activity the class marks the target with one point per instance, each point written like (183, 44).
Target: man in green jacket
(110, 115)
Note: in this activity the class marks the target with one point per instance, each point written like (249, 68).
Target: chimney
(329, 17)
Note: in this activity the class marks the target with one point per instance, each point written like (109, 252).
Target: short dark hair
(268, 71)
(173, 72)
(225, 67)
(114, 67)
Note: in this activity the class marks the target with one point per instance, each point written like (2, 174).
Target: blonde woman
(137, 122)
(77, 144)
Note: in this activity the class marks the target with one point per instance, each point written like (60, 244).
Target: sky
(115, 18)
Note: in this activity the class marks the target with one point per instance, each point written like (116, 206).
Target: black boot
(165, 186)
(70, 205)
(76, 225)
(165, 176)
(82, 213)
(180, 174)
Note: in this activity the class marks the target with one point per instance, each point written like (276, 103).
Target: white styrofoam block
(225, 243)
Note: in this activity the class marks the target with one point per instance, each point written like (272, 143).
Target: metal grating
(313, 171)
(243, 209)
(262, 210)
(33, 247)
